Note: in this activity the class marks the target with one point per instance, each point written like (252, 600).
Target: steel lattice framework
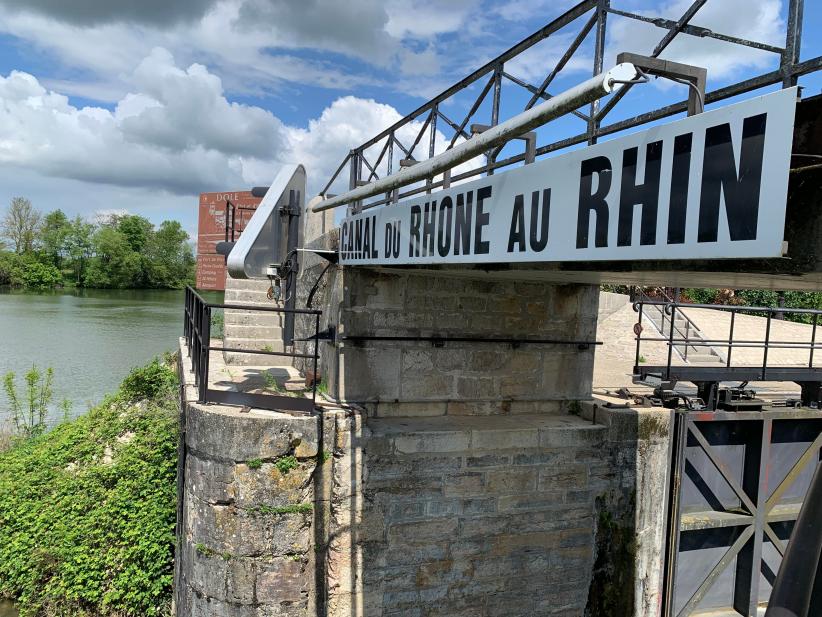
(593, 17)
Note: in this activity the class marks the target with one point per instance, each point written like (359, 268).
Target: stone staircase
(684, 328)
(251, 329)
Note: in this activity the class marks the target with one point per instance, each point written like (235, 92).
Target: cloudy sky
(116, 104)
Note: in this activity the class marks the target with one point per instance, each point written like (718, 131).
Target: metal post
(813, 339)
(670, 340)
(767, 341)
(679, 444)
(731, 339)
(431, 144)
(489, 156)
(599, 55)
(206, 350)
(353, 176)
(390, 164)
(316, 356)
(639, 334)
(792, 43)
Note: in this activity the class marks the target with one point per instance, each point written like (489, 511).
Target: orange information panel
(211, 229)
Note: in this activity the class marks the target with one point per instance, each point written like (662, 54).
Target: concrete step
(253, 331)
(252, 318)
(253, 343)
(233, 357)
(247, 359)
(231, 283)
(242, 296)
(703, 357)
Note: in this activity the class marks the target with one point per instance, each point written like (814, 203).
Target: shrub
(29, 412)
(88, 512)
(149, 381)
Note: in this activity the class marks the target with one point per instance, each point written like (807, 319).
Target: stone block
(487, 460)
(467, 483)
(563, 477)
(210, 481)
(226, 434)
(432, 441)
(507, 482)
(531, 501)
(283, 580)
(514, 439)
(423, 532)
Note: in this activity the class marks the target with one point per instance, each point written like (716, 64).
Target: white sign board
(709, 186)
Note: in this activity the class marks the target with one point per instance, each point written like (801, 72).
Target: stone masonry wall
(415, 378)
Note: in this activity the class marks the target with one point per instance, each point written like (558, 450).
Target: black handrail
(197, 333)
(730, 343)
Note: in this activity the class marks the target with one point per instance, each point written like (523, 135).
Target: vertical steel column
(639, 334)
(670, 341)
(353, 176)
(316, 356)
(294, 208)
(792, 43)
(599, 56)
(390, 164)
(731, 339)
(767, 342)
(755, 486)
(432, 125)
(679, 443)
(206, 350)
(813, 339)
(489, 156)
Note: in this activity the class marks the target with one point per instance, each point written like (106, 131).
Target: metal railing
(666, 321)
(363, 167)
(197, 333)
(759, 371)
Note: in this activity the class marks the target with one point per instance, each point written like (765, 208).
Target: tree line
(120, 252)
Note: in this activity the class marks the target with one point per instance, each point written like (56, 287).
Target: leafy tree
(79, 246)
(136, 229)
(54, 234)
(34, 274)
(171, 261)
(115, 264)
(20, 224)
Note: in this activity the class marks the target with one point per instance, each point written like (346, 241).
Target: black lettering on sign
(358, 239)
(462, 226)
(351, 254)
(680, 172)
(366, 240)
(388, 245)
(428, 224)
(538, 243)
(481, 247)
(516, 233)
(538, 235)
(720, 177)
(444, 227)
(645, 194)
(414, 232)
(595, 201)
(397, 236)
(343, 233)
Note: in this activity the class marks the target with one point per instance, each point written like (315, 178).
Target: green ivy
(87, 519)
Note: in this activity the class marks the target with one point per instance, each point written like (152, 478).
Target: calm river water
(91, 338)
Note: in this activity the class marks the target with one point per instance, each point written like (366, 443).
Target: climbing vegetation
(88, 509)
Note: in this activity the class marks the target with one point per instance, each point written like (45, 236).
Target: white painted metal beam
(559, 105)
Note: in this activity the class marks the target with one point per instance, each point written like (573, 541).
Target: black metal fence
(197, 332)
(495, 80)
(728, 369)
